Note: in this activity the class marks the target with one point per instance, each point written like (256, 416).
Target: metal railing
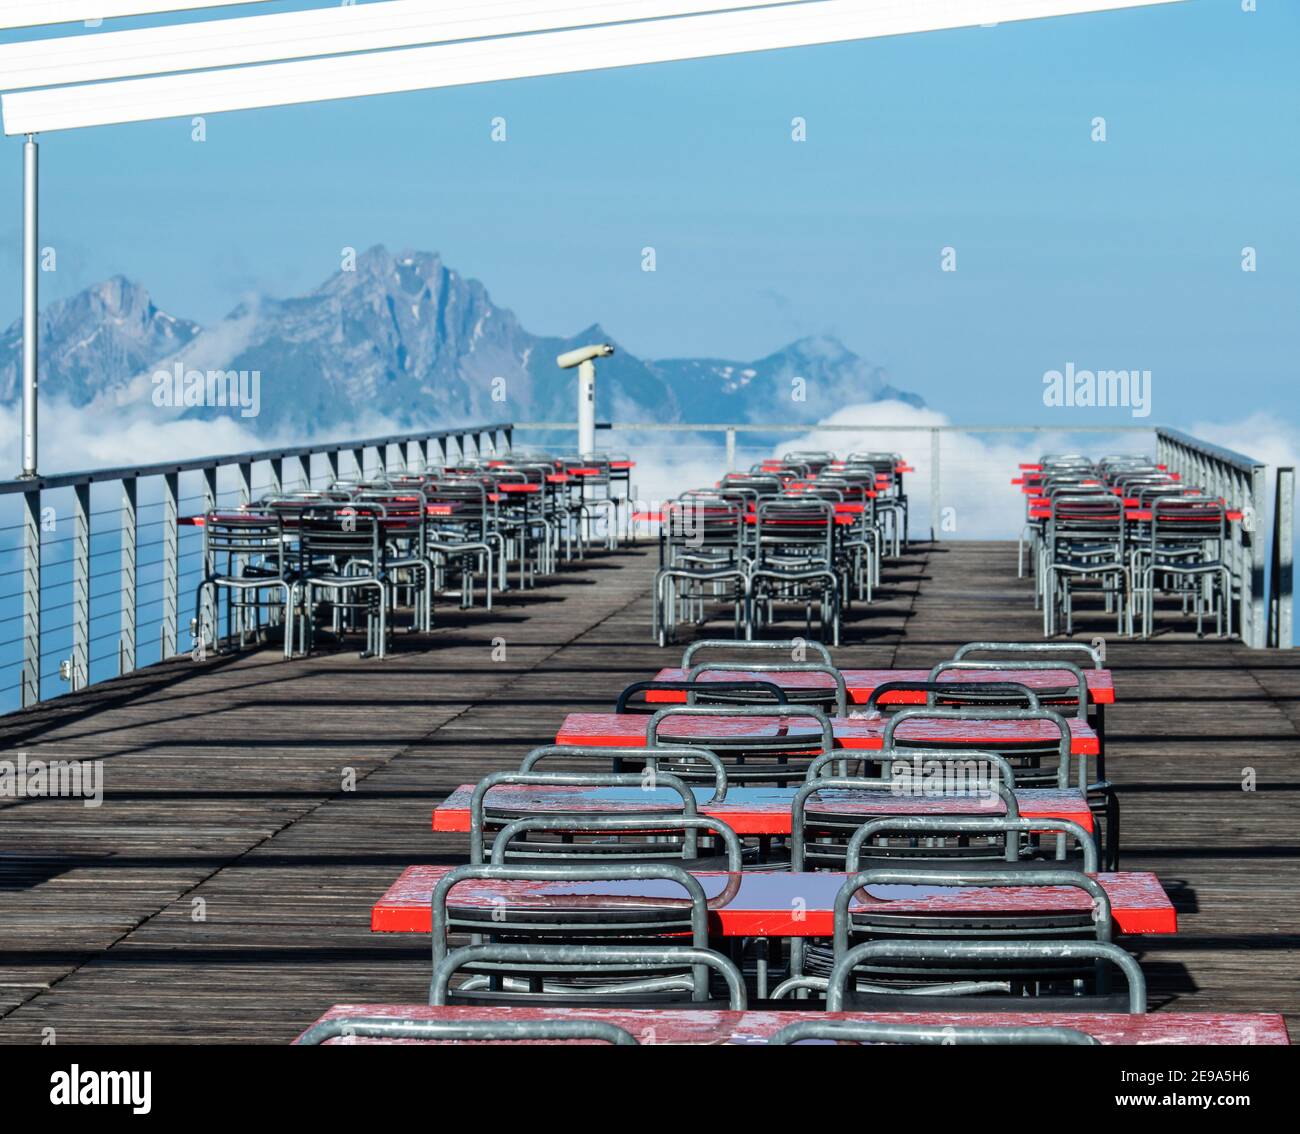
(95, 566)
(1242, 482)
(1265, 597)
(97, 562)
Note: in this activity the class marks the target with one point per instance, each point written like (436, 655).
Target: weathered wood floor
(255, 808)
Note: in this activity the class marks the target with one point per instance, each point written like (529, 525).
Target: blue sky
(1123, 254)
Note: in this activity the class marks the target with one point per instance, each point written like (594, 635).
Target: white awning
(509, 57)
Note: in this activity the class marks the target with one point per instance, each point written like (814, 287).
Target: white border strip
(37, 13)
(321, 31)
(483, 61)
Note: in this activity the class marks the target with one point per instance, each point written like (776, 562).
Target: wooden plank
(223, 890)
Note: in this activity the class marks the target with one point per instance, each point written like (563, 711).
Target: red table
(770, 904)
(628, 730)
(696, 1026)
(756, 810)
(861, 682)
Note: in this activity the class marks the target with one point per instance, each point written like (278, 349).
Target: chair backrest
(1096, 654)
(762, 484)
(944, 1035)
(969, 765)
(520, 906)
(517, 841)
(617, 964)
(1018, 750)
(1095, 516)
(452, 1030)
(677, 754)
(795, 648)
(654, 809)
(838, 695)
(967, 955)
(926, 834)
(744, 691)
(954, 692)
(723, 713)
(254, 535)
(341, 532)
(820, 833)
(796, 526)
(703, 524)
(1075, 693)
(847, 921)
(1187, 520)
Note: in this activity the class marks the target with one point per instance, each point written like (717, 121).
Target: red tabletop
(860, 683)
(843, 519)
(1138, 515)
(628, 730)
(652, 517)
(762, 903)
(622, 464)
(757, 810)
(697, 1026)
(558, 478)
(1143, 515)
(518, 486)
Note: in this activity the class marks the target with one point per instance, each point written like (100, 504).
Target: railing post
(1258, 603)
(245, 482)
(171, 566)
(208, 613)
(128, 643)
(1280, 627)
(359, 459)
(381, 456)
(80, 587)
(731, 450)
(332, 465)
(277, 474)
(31, 678)
(936, 484)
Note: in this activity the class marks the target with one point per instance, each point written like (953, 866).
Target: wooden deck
(255, 808)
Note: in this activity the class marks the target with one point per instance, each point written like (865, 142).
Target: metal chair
(1187, 549)
(343, 554)
(245, 553)
(651, 954)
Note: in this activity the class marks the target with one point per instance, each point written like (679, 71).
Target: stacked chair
(358, 551)
(807, 531)
(1127, 530)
